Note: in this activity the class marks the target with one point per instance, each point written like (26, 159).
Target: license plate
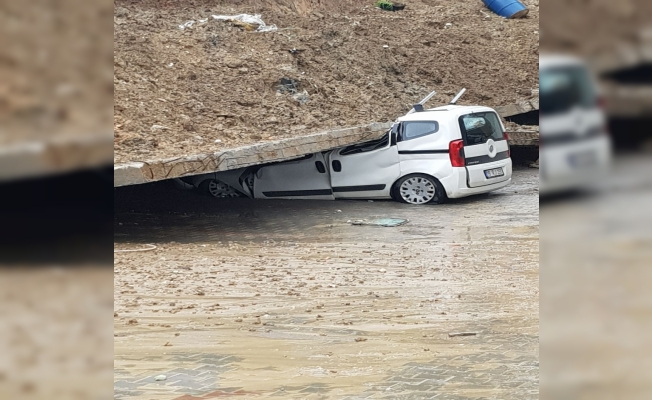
(494, 172)
(582, 159)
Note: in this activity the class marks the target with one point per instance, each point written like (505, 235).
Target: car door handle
(337, 166)
(320, 167)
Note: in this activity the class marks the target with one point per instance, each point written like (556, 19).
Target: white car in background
(575, 147)
(426, 157)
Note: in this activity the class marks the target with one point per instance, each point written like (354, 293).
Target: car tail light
(506, 136)
(455, 152)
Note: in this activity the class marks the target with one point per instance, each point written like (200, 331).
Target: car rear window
(416, 129)
(563, 88)
(477, 128)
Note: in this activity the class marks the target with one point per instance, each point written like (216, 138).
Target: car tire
(218, 189)
(418, 189)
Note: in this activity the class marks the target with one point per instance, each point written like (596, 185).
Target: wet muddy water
(287, 299)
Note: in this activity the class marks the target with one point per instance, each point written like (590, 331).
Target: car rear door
(366, 170)
(305, 178)
(486, 152)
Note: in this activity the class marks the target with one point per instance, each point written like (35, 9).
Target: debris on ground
(389, 5)
(389, 222)
(455, 334)
(246, 21)
(160, 377)
(507, 8)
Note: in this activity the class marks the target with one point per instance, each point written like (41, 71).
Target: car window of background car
(562, 89)
(413, 130)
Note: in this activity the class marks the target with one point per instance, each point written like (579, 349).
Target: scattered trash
(535, 164)
(507, 8)
(160, 377)
(389, 5)
(360, 339)
(302, 97)
(247, 21)
(191, 23)
(218, 141)
(448, 25)
(385, 46)
(382, 270)
(287, 85)
(389, 222)
(454, 334)
(159, 127)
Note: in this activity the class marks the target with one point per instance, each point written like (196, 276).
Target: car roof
(559, 60)
(454, 111)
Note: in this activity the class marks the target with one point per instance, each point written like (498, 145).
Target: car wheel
(216, 188)
(418, 189)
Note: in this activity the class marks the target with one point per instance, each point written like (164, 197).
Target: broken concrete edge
(518, 108)
(622, 57)
(59, 155)
(523, 138)
(139, 172)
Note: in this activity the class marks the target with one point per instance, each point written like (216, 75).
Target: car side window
(417, 129)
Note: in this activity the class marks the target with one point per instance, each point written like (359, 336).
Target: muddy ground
(591, 28)
(286, 299)
(349, 63)
(55, 71)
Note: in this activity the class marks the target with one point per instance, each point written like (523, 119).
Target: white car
(575, 147)
(426, 157)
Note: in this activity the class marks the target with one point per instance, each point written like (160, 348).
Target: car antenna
(457, 96)
(419, 106)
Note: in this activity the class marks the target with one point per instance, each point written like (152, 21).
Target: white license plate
(494, 172)
(582, 159)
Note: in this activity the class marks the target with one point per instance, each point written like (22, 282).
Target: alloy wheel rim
(219, 189)
(417, 190)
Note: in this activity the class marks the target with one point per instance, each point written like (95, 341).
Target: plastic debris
(507, 8)
(255, 22)
(302, 97)
(160, 378)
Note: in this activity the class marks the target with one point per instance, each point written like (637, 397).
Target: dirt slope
(178, 91)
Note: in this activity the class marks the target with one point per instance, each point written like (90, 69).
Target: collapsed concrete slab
(58, 155)
(518, 108)
(139, 172)
(523, 137)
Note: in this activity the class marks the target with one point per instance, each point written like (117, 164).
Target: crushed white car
(427, 156)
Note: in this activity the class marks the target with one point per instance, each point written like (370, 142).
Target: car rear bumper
(557, 176)
(456, 185)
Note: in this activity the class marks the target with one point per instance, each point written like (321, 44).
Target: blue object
(507, 8)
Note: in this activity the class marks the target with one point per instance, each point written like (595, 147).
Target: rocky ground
(286, 299)
(215, 85)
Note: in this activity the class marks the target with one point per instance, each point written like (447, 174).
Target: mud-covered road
(286, 299)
